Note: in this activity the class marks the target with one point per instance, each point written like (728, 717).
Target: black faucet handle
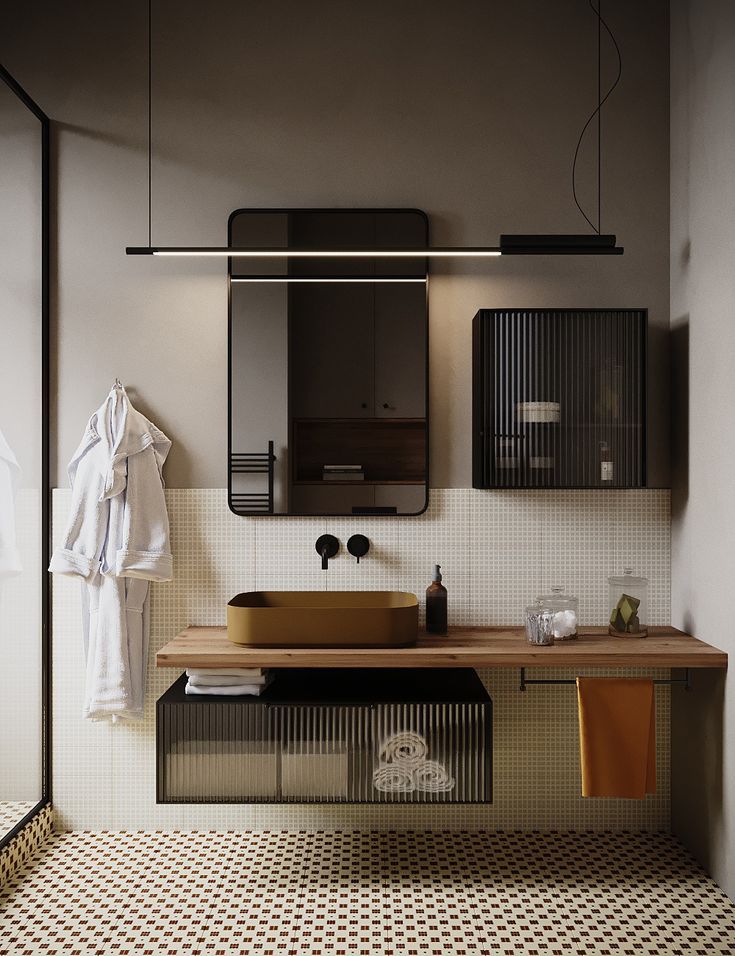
(358, 546)
(327, 546)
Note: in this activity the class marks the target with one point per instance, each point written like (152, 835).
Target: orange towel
(617, 736)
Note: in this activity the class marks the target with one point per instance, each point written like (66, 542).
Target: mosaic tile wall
(497, 550)
(21, 847)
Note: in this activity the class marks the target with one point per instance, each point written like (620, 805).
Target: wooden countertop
(463, 647)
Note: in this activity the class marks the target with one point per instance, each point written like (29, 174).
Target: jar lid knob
(627, 570)
(557, 588)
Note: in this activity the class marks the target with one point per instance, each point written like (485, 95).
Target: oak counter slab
(462, 647)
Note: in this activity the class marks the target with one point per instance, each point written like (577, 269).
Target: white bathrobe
(117, 540)
(9, 481)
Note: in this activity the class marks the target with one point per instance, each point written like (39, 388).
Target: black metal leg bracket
(684, 682)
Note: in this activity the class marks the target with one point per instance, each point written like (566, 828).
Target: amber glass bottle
(436, 604)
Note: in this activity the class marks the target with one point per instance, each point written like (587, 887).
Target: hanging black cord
(150, 124)
(601, 100)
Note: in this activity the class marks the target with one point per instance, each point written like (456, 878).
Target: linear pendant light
(374, 252)
(510, 244)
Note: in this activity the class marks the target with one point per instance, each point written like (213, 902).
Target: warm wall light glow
(325, 279)
(240, 253)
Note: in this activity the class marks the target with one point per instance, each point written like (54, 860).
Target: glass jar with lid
(628, 604)
(565, 611)
(539, 625)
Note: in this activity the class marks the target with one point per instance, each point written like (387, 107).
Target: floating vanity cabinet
(559, 398)
(330, 736)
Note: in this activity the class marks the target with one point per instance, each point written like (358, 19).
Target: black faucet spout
(327, 546)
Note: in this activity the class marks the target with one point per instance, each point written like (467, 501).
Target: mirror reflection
(328, 366)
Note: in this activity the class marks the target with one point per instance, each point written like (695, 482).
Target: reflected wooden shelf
(362, 483)
(462, 647)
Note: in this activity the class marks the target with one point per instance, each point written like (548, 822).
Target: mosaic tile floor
(344, 892)
(12, 812)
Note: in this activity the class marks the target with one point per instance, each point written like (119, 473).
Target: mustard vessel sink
(323, 619)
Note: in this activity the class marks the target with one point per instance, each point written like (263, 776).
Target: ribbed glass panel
(417, 752)
(559, 398)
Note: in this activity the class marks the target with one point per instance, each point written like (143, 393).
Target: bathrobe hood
(122, 432)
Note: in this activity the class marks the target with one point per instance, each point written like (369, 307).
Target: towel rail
(253, 463)
(525, 681)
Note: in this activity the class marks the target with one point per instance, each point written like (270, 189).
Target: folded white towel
(236, 690)
(199, 680)
(245, 672)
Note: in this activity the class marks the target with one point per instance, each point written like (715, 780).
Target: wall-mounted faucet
(327, 546)
(358, 546)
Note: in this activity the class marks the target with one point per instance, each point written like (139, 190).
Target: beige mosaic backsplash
(497, 550)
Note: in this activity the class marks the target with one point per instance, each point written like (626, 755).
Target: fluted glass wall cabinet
(559, 398)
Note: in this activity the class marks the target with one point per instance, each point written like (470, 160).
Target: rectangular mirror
(328, 365)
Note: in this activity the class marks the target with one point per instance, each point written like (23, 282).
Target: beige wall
(469, 110)
(703, 499)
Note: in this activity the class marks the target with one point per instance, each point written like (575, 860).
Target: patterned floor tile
(12, 812)
(336, 893)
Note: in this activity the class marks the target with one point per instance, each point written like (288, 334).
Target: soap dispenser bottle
(436, 604)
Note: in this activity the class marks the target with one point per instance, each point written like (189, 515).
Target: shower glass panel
(23, 455)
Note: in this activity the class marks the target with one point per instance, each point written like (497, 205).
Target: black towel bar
(253, 463)
(685, 681)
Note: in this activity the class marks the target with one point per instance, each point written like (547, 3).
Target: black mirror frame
(270, 210)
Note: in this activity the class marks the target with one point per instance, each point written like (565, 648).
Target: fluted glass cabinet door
(559, 398)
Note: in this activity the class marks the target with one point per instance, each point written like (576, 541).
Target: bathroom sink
(323, 619)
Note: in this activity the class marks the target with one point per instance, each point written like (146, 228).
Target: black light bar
(510, 245)
(559, 245)
(452, 252)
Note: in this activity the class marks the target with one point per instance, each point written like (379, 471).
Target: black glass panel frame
(44, 272)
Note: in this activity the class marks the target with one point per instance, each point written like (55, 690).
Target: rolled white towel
(246, 673)
(204, 680)
(406, 747)
(432, 777)
(393, 778)
(236, 690)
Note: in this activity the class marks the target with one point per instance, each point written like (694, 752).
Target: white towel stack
(228, 681)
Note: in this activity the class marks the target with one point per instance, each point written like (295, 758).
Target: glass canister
(628, 604)
(539, 625)
(565, 611)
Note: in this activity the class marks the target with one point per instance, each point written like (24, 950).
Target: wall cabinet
(559, 398)
(358, 352)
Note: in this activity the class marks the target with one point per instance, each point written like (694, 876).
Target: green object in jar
(625, 615)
